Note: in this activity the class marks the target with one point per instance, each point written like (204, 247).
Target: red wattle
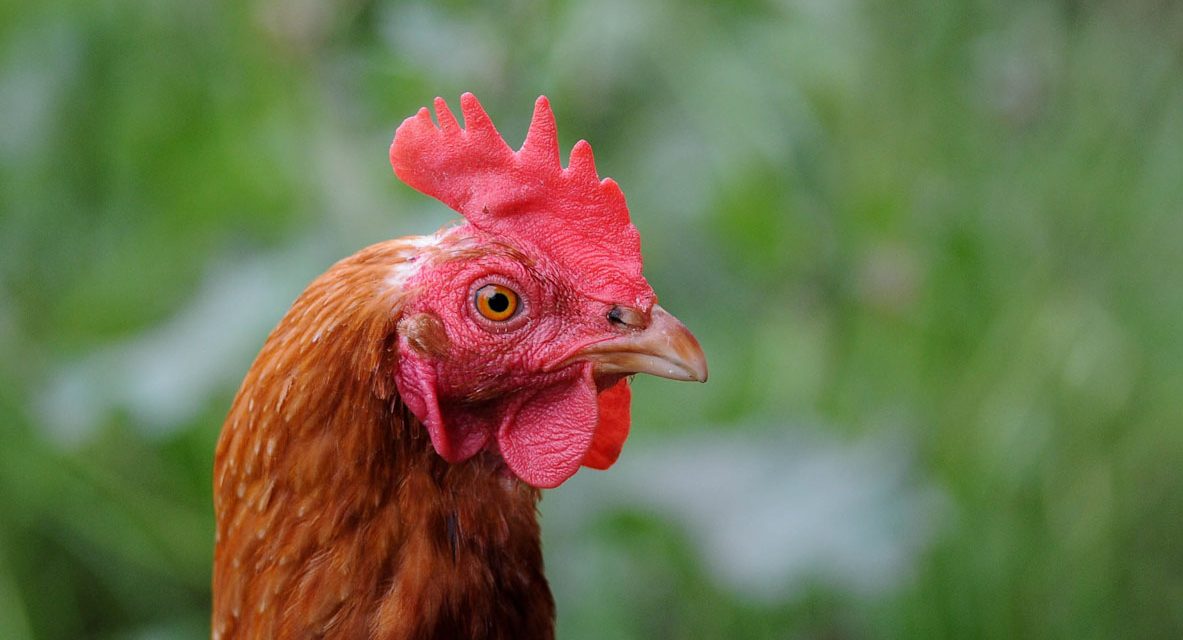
(612, 429)
(549, 435)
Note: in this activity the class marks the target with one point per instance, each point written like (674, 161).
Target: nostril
(626, 317)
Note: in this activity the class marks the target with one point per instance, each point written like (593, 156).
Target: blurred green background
(933, 251)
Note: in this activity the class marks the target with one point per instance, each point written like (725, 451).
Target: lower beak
(664, 348)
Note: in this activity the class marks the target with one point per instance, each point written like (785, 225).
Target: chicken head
(520, 326)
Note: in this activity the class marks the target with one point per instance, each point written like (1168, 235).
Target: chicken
(379, 471)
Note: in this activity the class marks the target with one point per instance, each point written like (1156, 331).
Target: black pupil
(499, 302)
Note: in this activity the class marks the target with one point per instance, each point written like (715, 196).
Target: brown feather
(335, 516)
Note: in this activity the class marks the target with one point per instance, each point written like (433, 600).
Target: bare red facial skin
(496, 383)
(562, 240)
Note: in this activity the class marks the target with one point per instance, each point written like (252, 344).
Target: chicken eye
(496, 302)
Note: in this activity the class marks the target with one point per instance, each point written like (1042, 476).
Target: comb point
(582, 162)
(475, 118)
(611, 187)
(444, 115)
(480, 129)
(542, 140)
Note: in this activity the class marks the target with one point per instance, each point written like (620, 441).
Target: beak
(664, 347)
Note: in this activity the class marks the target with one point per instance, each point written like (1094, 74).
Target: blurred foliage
(963, 220)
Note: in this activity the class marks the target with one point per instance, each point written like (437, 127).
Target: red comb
(570, 213)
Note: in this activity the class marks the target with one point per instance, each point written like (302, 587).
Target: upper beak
(664, 347)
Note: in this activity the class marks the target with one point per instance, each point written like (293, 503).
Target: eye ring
(496, 302)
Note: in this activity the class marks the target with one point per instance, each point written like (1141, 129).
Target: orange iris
(496, 302)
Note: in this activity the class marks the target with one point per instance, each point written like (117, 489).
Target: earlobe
(425, 333)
